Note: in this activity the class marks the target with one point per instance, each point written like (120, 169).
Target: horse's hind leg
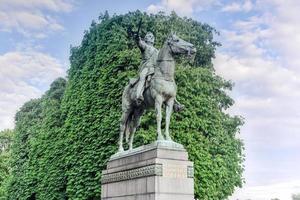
(136, 120)
(124, 119)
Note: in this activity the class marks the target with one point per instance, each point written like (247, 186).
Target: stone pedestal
(158, 171)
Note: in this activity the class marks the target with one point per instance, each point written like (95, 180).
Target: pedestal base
(159, 171)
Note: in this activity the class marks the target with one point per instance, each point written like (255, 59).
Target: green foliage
(5, 140)
(6, 137)
(37, 165)
(64, 139)
(23, 180)
(48, 148)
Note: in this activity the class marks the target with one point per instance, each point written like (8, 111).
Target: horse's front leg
(121, 136)
(169, 109)
(131, 141)
(158, 105)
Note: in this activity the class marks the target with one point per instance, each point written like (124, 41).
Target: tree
(48, 150)
(23, 179)
(6, 137)
(37, 165)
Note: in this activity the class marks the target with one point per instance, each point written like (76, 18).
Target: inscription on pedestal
(175, 171)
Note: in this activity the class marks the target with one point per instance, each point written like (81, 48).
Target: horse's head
(179, 46)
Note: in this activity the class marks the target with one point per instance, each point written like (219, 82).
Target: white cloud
(53, 5)
(32, 18)
(258, 76)
(267, 95)
(284, 34)
(182, 7)
(282, 191)
(23, 75)
(245, 6)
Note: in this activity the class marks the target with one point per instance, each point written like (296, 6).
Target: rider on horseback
(146, 69)
(161, 91)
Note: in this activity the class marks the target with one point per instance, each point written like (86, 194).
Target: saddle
(134, 81)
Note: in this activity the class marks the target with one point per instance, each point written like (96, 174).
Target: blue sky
(260, 53)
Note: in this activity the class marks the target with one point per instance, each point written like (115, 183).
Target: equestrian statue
(154, 87)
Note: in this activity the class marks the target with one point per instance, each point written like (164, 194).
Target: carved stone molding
(150, 170)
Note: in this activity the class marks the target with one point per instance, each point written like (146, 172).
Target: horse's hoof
(179, 107)
(160, 138)
(168, 138)
(121, 149)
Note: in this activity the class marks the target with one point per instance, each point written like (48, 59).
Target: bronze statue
(154, 87)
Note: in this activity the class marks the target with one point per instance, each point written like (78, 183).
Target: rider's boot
(178, 107)
(139, 93)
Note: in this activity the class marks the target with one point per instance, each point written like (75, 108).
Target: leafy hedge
(5, 144)
(64, 139)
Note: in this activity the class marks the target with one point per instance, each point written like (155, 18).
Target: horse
(160, 91)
